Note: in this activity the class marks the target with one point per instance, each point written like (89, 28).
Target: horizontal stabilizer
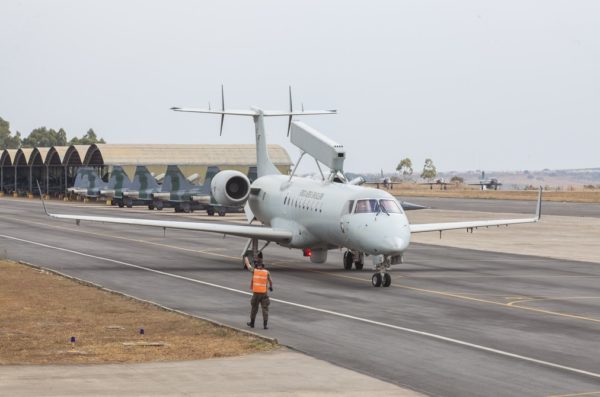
(252, 112)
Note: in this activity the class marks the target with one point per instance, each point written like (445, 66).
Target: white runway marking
(330, 312)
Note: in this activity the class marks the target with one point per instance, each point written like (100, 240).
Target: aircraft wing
(434, 227)
(407, 206)
(259, 232)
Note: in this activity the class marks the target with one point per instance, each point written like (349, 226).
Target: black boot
(265, 325)
(250, 324)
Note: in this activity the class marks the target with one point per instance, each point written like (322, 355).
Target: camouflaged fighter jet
(144, 185)
(182, 195)
(118, 184)
(87, 183)
(314, 216)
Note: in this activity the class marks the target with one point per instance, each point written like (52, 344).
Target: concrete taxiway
(455, 322)
(508, 206)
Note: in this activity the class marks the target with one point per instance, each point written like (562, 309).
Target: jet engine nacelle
(230, 188)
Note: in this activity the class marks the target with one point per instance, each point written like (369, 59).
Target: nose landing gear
(381, 277)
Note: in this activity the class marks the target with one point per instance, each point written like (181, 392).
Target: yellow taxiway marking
(558, 298)
(589, 393)
(422, 290)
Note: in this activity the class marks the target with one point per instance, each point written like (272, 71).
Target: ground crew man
(260, 278)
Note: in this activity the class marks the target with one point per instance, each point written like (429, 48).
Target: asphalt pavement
(455, 322)
(508, 206)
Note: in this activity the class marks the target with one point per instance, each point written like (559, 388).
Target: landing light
(307, 252)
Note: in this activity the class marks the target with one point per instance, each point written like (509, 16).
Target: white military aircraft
(309, 214)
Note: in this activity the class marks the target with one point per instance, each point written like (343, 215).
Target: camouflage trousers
(264, 302)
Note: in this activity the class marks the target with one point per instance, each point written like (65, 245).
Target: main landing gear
(353, 257)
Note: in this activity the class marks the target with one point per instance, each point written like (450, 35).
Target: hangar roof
(182, 154)
(150, 154)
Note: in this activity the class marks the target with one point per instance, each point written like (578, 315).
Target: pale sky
(494, 85)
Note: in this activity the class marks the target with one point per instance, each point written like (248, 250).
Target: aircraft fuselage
(321, 215)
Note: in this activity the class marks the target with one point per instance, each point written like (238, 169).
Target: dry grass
(40, 311)
(568, 196)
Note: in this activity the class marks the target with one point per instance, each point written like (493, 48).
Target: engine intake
(230, 188)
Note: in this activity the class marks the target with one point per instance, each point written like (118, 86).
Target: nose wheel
(381, 277)
(381, 280)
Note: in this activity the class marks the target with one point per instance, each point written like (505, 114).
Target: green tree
(88, 139)
(429, 170)
(6, 140)
(457, 179)
(405, 167)
(44, 137)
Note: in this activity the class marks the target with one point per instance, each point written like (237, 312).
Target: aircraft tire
(185, 207)
(348, 259)
(129, 203)
(359, 265)
(222, 213)
(150, 207)
(387, 280)
(159, 205)
(210, 211)
(376, 280)
(121, 204)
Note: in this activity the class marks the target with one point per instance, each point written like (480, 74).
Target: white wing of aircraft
(308, 214)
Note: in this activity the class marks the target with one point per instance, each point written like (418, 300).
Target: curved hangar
(56, 167)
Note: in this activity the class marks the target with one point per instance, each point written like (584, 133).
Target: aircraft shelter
(55, 167)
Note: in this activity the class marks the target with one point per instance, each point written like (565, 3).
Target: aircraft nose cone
(395, 243)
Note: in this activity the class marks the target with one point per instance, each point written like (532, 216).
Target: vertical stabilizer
(118, 179)
(175, 180)
(143, 180)
(264, 165)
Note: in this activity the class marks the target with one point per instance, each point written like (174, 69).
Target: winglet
(42, 197)
(538, 212)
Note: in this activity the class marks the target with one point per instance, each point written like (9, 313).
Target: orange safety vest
(259, 281)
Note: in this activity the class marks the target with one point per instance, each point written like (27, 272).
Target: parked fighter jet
(182, 195)
(487, 184)
(438, 182)
(87, 183)
(312, 215)
(118, 186)
(139, 191)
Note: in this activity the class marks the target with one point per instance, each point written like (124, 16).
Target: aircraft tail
(175, 180)
(80, 183)
(87, 178)
(264, 164)
(210, 174)
(118, 179)
(143, 179)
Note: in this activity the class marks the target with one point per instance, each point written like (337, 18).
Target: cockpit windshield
(390, 206)
(366, 206)
(375, 206)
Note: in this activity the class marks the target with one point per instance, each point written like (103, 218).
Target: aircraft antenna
(291, 111)
(222, 109)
